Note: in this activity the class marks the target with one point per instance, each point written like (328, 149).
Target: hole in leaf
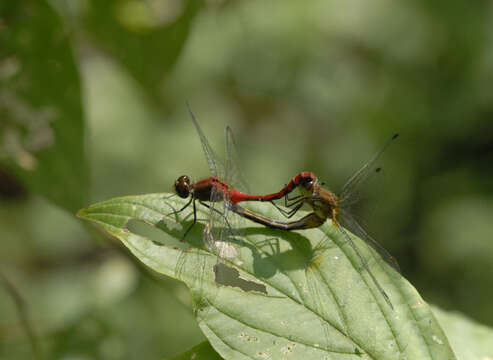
(152, 233)
(229, 276)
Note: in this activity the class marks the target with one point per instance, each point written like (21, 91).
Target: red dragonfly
(211, 189)
(214, 189)
(327, 205)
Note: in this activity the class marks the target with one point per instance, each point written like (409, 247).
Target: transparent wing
(368, 189)
(347, 221)
(195, 265)
(319, 291)
(194, 261)
(215, 165)
(218, 230)
(192, 257)
(371, 167)
(234, 176)
(313, 281)
(365, 265)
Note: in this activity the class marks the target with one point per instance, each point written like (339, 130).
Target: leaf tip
(81, 214)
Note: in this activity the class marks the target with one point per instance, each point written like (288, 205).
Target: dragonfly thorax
(323, 202)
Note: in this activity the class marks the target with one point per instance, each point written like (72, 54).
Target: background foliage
(95, 93)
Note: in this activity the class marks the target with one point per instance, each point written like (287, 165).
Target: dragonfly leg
(296, 201)
(194, 218)
(183, 208)
(290, 213)
(287, 198)
(220, 213)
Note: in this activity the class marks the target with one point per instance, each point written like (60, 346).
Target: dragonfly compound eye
(182, 186)
(307, 182)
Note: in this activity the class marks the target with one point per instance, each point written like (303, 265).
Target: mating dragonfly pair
(324, 203)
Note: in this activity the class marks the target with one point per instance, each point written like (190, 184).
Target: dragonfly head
(308, 182)
(183, 186)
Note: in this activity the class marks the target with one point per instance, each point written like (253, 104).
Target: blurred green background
(92, 106)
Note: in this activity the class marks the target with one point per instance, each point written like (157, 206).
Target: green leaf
(203, 351)
(288, 293)
(132, 33)
(41, 127)
(470, 340)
